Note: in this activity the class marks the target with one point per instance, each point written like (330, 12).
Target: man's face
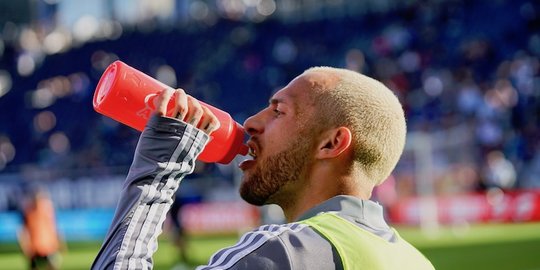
(281, 144)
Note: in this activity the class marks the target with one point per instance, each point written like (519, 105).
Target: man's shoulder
(283, 246)
(278, 229)
(292, 237)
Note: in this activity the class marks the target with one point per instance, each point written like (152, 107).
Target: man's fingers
(187, 109)
(209, 122)
(181, 108)
(162, 99)
(194, 112)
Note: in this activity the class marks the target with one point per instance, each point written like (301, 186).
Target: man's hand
(187, 109)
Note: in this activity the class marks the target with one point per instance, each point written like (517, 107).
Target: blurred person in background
(318, 149)
(38, 237)
(499, 172)
(177, 233)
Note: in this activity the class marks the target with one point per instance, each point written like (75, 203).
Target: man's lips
(246, 164)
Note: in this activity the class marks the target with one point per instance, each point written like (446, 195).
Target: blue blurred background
(467, 73)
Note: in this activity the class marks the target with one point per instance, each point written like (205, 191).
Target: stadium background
(467, 72)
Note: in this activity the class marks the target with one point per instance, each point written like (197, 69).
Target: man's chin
(246, 193)
(253, 200)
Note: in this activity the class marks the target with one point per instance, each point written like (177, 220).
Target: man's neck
(293, 210)
(307, 195)
(320, 186)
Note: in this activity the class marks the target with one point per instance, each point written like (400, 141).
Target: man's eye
(277, 112)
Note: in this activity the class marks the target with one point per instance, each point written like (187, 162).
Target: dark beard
(263, 185)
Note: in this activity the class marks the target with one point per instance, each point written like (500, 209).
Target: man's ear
(334, 142)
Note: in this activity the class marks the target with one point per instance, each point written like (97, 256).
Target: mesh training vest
(361, 249)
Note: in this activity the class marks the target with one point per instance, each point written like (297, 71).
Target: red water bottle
(126, 95)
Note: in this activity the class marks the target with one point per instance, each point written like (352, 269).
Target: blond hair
(373, 114)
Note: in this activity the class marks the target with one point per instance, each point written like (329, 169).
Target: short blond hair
(371, 111)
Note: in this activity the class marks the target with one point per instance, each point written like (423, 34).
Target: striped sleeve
(246, 248)
(165, 153)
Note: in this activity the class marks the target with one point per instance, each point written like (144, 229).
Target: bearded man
(317, 150)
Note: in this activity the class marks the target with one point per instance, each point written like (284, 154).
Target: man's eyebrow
(292, 105)
(274, 101)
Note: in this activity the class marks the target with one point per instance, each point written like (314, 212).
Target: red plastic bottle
(126, 95)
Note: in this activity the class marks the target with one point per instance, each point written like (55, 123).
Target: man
(318, 149)
(38, 237)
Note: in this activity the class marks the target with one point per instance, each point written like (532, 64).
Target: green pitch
(490, 247)
(493, 247)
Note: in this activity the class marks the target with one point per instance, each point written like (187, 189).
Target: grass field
(493, 247)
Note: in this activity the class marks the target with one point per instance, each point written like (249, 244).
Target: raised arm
(165, 153)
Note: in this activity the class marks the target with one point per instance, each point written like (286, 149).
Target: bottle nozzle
(243, 149)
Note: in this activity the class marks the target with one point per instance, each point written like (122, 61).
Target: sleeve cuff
(168, 127)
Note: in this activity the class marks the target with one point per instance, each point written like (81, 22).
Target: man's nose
(253, 125)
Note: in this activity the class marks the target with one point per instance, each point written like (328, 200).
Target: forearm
(166, 152)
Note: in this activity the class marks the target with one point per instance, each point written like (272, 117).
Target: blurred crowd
(466, 68)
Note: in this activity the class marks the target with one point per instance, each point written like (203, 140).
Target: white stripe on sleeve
(249, 242)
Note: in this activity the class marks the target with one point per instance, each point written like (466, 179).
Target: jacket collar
(365, 212)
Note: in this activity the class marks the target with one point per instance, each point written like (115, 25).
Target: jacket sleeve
(165, 153)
